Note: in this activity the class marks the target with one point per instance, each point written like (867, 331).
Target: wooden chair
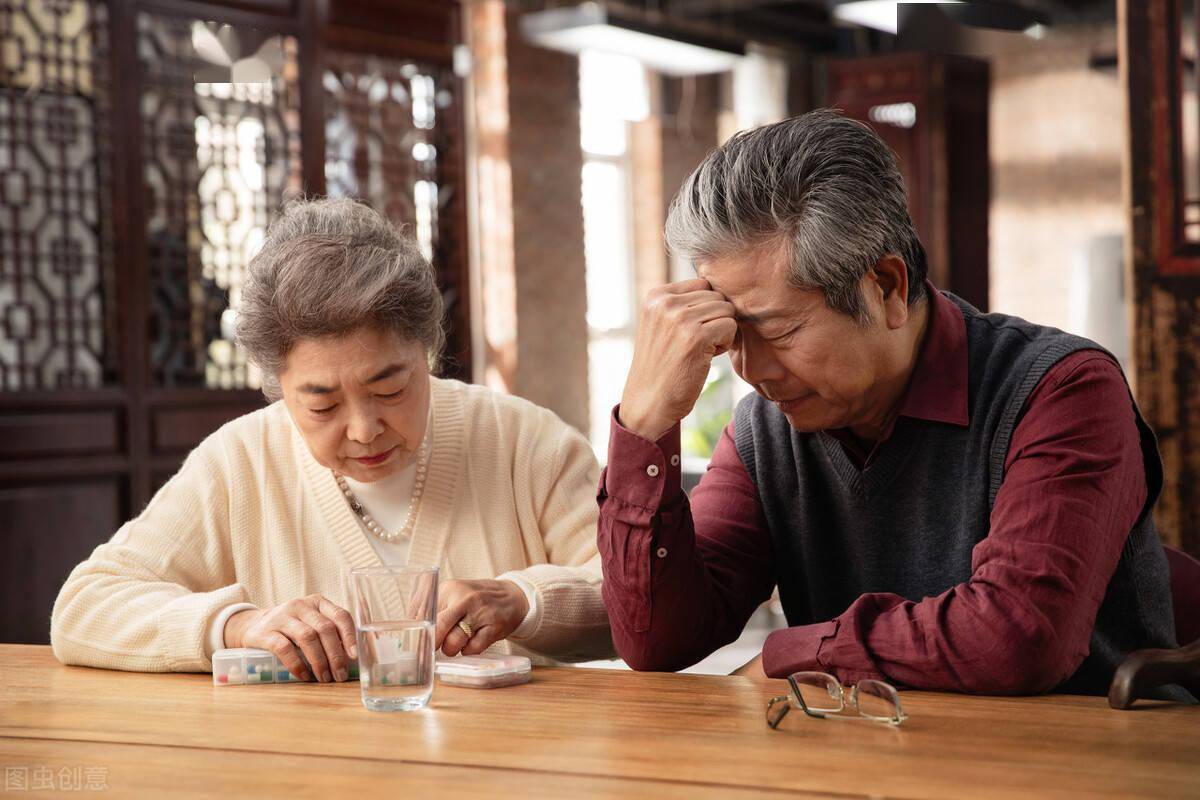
(1142, 670)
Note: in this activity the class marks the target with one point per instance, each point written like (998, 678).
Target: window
(612, 91)
(701, 429)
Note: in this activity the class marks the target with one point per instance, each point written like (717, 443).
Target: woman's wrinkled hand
(313, 625)
(491, 609)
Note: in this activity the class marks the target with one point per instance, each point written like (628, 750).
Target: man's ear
(888, 282)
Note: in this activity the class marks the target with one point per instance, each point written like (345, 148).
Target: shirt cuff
(641, 472)
(216, 630)
(530, 623)
(797, 649)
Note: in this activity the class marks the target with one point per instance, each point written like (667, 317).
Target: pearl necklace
(414, 503)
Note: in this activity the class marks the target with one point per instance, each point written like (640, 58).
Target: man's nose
(756, 362)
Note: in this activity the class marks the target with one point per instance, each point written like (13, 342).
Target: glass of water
(395, 610)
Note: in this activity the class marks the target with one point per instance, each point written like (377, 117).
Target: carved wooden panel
(1166, 276)
(59, 433)
(220, 159)
(48, 529)
(56, 309)
(1177, 133)
(933, 112)
(389, 139)
(145, 146)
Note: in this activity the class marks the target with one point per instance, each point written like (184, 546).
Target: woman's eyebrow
(387, 372)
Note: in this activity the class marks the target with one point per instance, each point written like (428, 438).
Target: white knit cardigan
(252, 517)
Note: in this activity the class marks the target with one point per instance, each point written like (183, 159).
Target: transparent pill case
(485, 672)
(244, 666)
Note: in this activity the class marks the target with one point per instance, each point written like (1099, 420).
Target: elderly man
(946, 499)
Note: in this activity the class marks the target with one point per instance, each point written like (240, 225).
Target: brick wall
(1057, 144)
(530, 219)
(689, 132)
(1059, 135)
(547, 163)
(647, 205)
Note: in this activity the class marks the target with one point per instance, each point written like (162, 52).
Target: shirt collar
(937, 390)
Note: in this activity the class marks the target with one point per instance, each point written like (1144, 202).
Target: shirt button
(675, 461)
(661, 552)
(652, 470)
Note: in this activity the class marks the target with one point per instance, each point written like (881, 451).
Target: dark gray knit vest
(907, 524)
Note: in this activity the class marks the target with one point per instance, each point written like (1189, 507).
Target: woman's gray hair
(329, 267)
(825, 187)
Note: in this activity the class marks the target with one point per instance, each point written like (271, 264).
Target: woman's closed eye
(391, 395)
(324, 411)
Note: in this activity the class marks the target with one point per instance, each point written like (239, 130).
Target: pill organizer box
(240, 666)
(485, 672)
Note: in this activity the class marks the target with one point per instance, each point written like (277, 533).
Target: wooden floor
(572, 733)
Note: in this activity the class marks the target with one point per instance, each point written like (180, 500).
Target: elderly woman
(364, 459)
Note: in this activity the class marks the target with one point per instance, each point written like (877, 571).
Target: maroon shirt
(1075, 450)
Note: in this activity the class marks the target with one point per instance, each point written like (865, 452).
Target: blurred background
(1051, 150)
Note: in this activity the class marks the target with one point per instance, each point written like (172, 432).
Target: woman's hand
(321, 630)
(492, 610)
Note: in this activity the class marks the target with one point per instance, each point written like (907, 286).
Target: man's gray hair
(330, 267)
(826, 188)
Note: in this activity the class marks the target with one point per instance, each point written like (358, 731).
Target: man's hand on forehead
(684, 325)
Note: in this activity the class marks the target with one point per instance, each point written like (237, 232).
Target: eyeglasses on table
(820, 695)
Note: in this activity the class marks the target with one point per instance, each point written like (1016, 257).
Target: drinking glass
(395, 611)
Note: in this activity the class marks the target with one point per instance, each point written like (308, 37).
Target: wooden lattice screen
(145, 146)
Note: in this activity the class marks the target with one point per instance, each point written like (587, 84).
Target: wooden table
(573, 733)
